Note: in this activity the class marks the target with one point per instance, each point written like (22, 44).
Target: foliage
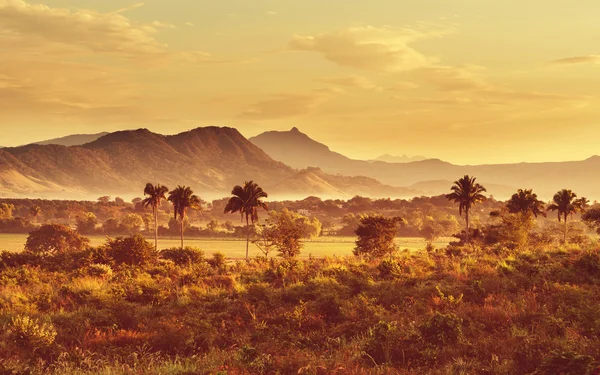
(287, 231)
(86, 224)
(134, 250)
(376, 236)
(54, 238)
(186, 256)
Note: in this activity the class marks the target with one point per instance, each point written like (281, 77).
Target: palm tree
(467, 193)
(155, 194)
(525, 202)
(246, 200)
(565, 203)
(35, 212)
(183, 198)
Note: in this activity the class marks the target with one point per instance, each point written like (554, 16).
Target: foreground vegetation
(120, 309)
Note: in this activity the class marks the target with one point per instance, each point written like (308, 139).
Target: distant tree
(265, 239)
(132, 223)
(183, 198)
(592, 218)
(86, 224)
(148, 219)
(35, 212)
(565, 203)
(6, 210)
(525, 202)
(111, 226)
(467, 193)
(104, 200)
(119, 201)
(246, 200)
(434, 228)
(55, 239)
(155, 194)
(213, 226)
(376, 235)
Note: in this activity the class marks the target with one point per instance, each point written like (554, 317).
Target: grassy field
(234, 248)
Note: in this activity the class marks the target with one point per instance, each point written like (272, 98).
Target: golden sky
(467, 81)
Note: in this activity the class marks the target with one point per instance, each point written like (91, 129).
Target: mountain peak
(294, 130)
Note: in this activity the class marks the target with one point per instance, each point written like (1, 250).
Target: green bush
(29, 333)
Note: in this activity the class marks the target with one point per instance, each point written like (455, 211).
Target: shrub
(389, 268)
(29, 333)
(134, 250)
(100, 270)
(54, 238)
(218, 262)
(565, 363)
(183, 257)
(442, 329)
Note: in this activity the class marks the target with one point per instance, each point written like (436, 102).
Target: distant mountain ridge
(211, 160)
(298, 149)
(387, 158)
(72, 140)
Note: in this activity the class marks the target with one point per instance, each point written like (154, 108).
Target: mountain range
(288, 164)
(211, 160)
(434, 176)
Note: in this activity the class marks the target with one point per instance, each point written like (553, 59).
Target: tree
(376, 235)
(104, 199)
(132, 223)
(525, 202)
(86, 224)
(54, 239)
(246, 200)
(592, 218)
(565, 203)
(6, 210)
(286, 232)
(183, 198)
(467, 193)
(155, 194)
(111, 226)
(35, 211)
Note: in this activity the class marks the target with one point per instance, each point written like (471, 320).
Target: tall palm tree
(155, 194)
(35, 212)
(183, 198)
(467, 193)
(525, 202)
(565, 203)
(246, 200)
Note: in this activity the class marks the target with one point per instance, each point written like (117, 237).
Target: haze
(466, 81)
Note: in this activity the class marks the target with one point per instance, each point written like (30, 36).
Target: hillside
(72, 140)
(211, 160)
(296, 148)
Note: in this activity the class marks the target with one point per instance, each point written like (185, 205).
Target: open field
(236, 248)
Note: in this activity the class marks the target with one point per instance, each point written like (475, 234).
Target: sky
(467, 81)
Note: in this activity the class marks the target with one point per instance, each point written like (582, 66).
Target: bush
(442, 329)
(566, 363)
(100, 270)
(54, 238)
(376, 236)
(183, 257)
(29, 333)
(134, 250)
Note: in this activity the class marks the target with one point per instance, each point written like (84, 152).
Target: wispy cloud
(372, 48)
(589, 59)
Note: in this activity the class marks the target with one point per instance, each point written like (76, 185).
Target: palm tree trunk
(155, 228)
(468, 229)
(182, 219)
(247, 237)
(566, 229)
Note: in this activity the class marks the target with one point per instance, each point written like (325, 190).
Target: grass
(236, 248)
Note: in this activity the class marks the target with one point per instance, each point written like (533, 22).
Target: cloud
(127, 9)
(189, 24)
(288, 105)
(271, 13)
(589, 59)
(99, 32)
(351, 81)
(450, 78)
(371, 48)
